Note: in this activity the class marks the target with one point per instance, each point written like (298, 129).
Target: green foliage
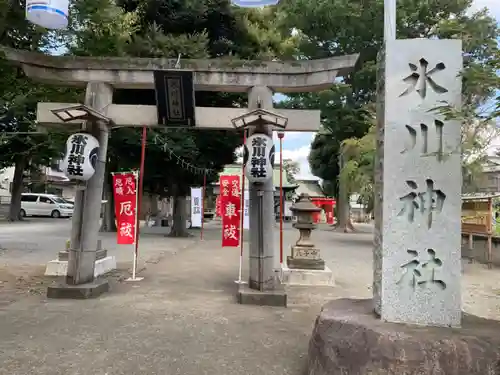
(479, 110)
(194, 29)
(338, 27)
(99, 28)
(292, 169)
(357, 173)
(19, 95)
(335, 110)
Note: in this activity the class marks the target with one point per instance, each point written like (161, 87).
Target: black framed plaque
(175, 98)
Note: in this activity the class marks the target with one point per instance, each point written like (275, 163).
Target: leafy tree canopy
(341, 27)
(193, 29)
(19, 145)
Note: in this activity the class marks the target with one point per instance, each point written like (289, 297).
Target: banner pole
(280, 136)
(242, 213)
(203, 203)
(138, 188)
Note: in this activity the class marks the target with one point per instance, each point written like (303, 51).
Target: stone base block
(349, 339)
(100, 254)
(60, 267)
(305, 264)
(82, 291)
(292, 276)
(248, 296)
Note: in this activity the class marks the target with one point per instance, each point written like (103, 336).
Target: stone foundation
(305, 264)
(348, 339)
(248, 296)
(100, 254)
(60, 267)
(82, 291)
(291, 276)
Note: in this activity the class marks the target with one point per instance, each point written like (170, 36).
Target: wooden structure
(478, 219)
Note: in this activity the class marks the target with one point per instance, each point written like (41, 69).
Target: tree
(357, 172)
(19, 146)
(476, 114)
(336, 108)
(202, 29)
(479, 111)
(291, 168)
(340, 27)
(192, 29)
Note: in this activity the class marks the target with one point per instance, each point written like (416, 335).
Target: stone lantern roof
(304, 204)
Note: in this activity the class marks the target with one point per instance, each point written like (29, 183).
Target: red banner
(125, 192)
(329, 211)
(230, 203)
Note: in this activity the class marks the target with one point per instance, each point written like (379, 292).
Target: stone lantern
(304, 254)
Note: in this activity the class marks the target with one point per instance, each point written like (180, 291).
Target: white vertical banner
(246, 210)
(196, 210)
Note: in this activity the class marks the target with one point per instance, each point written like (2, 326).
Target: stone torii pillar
(85, 223)
(262, 267)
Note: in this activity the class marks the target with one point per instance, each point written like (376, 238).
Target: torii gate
(260, 79)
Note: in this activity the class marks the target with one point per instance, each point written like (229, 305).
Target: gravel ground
(183, 319)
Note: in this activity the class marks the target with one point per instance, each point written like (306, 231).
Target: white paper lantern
(259, 158)
(81, 156)
(51, 14)
(254, 3)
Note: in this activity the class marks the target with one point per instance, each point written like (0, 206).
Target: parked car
(33, 204)
(72, 202)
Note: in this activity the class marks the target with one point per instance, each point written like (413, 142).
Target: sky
(296, 146)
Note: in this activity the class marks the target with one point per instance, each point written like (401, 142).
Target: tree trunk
(20, 163)
(154, 209)
(179, 215)
(350, 225)
(343, 209)
(108, 217)
(154, 204)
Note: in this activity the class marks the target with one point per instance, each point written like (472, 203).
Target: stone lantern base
(305, 267)
(305, 257)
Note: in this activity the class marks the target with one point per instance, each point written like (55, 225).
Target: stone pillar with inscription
(417, 258)
(262, 248)
(84, 245)
(264, 287)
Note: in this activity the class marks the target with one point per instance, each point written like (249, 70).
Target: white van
(33, 204)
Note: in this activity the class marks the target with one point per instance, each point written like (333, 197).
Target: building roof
(492, 164)
(479, 196)
(310, 187)
(235, 169)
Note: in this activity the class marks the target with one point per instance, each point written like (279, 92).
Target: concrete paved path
(183, 319)
(38, 240)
